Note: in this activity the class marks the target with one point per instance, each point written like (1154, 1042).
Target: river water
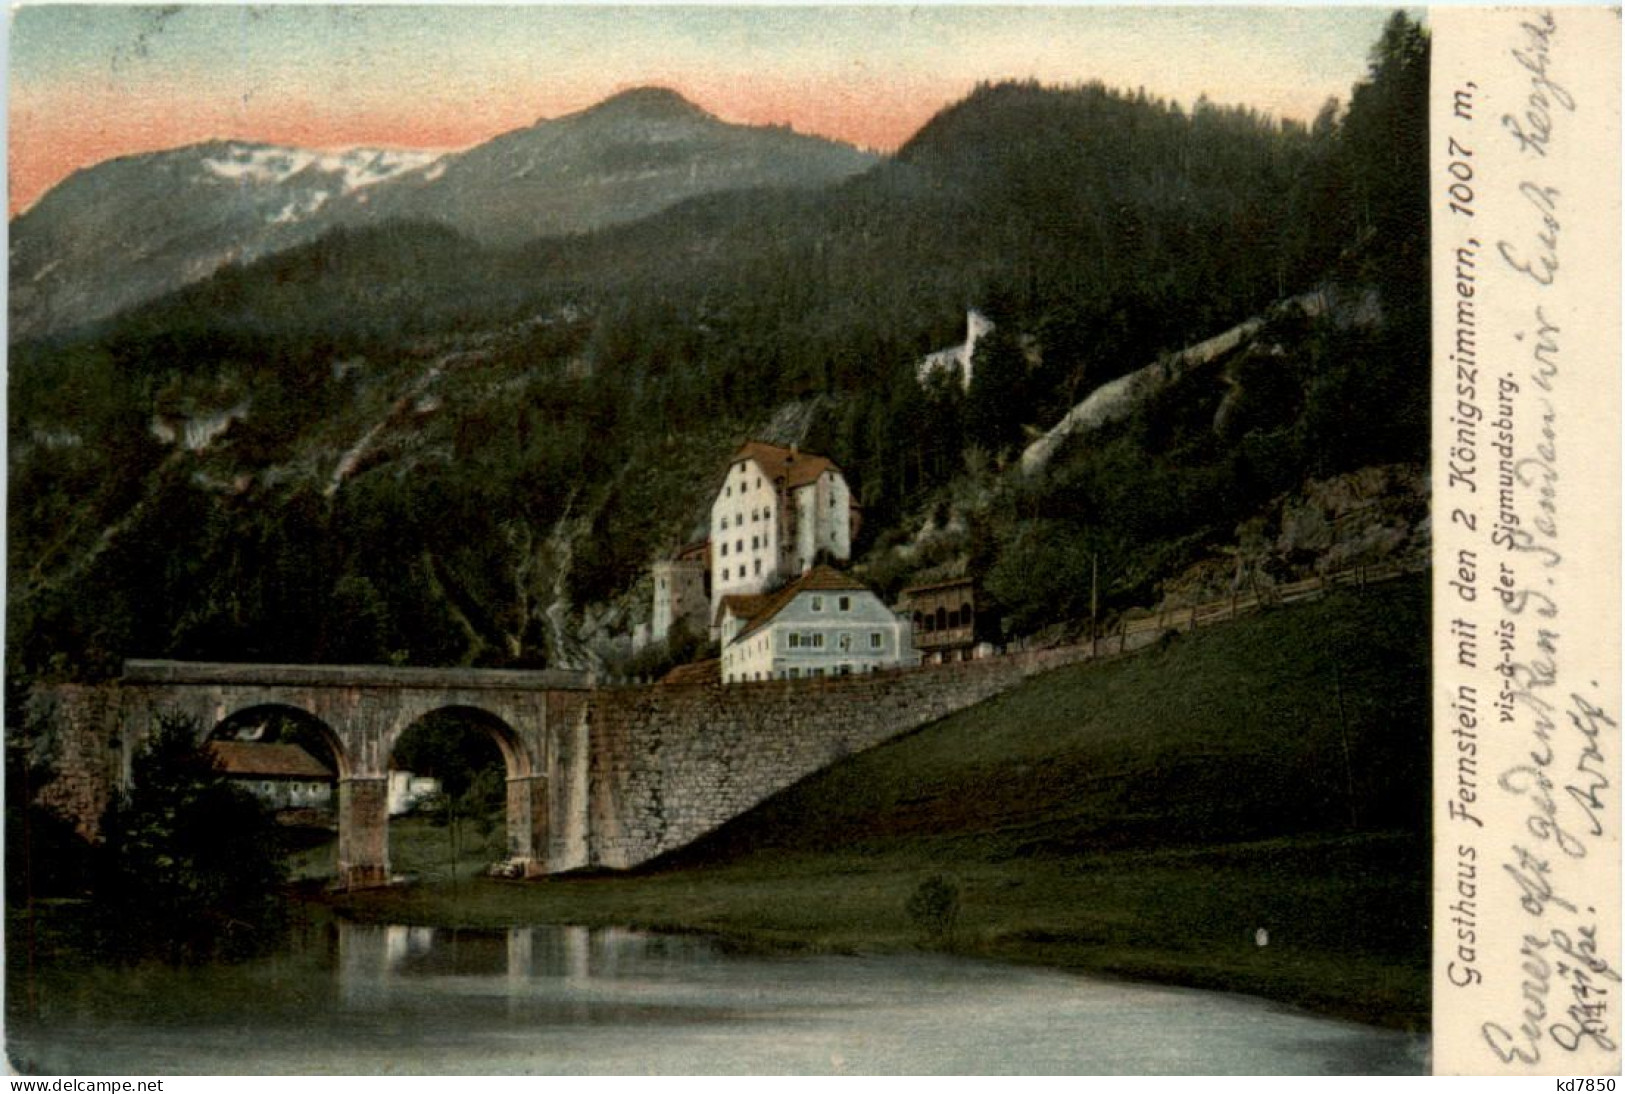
(344, 998)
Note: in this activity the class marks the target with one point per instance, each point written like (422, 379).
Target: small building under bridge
(282, 776)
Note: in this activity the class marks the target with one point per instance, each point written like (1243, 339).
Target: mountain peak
(648, 102)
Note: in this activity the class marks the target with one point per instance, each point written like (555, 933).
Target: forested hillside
(181, 214)
(399, 444)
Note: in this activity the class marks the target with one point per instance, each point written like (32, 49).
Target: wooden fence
(1141, 631)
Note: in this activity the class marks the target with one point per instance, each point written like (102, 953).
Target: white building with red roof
(283, 776)
(776, 512)
(825, 623)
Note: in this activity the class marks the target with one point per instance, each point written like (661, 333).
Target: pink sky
(89, 84)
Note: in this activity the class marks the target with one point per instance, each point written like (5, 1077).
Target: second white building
(824, 624)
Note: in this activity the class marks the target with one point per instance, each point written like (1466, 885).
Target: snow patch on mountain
(272, 165)
(301, 207)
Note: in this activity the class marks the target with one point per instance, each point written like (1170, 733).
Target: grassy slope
(1142, 817)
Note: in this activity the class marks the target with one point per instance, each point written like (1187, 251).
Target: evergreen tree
(192, 863)
(997, 401)
(1385, 156)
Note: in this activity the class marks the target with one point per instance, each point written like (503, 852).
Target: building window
(817, 603)
(724, 550)
(875, 640)
(964, 614)
(794, 640)
(818, 641)
(727, 491)
(758, 566)
(758, 482)
(795, 674)
(740, 546)
(846, 643)
(725, 573)
(942, 619)
(846, 603)
(755, 542)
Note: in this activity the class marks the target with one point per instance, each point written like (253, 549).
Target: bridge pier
(527, 824)
(363, 859)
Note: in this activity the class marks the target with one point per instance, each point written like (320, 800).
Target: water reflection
(350, 998)
(372, 959)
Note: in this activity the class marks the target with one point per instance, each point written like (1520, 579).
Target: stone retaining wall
(670, 763)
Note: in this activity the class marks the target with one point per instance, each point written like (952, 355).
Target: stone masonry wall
(670, 763)
(83, 741)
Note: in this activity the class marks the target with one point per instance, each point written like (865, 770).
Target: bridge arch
(525, 804)
(515, 756)
(268, 719)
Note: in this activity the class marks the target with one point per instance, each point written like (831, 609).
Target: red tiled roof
(796, 468)
(743, 605)
(699, 672)
(818, 579)
(284, 761)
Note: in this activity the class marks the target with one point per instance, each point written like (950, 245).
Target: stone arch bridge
(597, 776)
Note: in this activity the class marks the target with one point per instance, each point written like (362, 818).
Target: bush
(933, 909)
(193, 863)
(683, 646)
